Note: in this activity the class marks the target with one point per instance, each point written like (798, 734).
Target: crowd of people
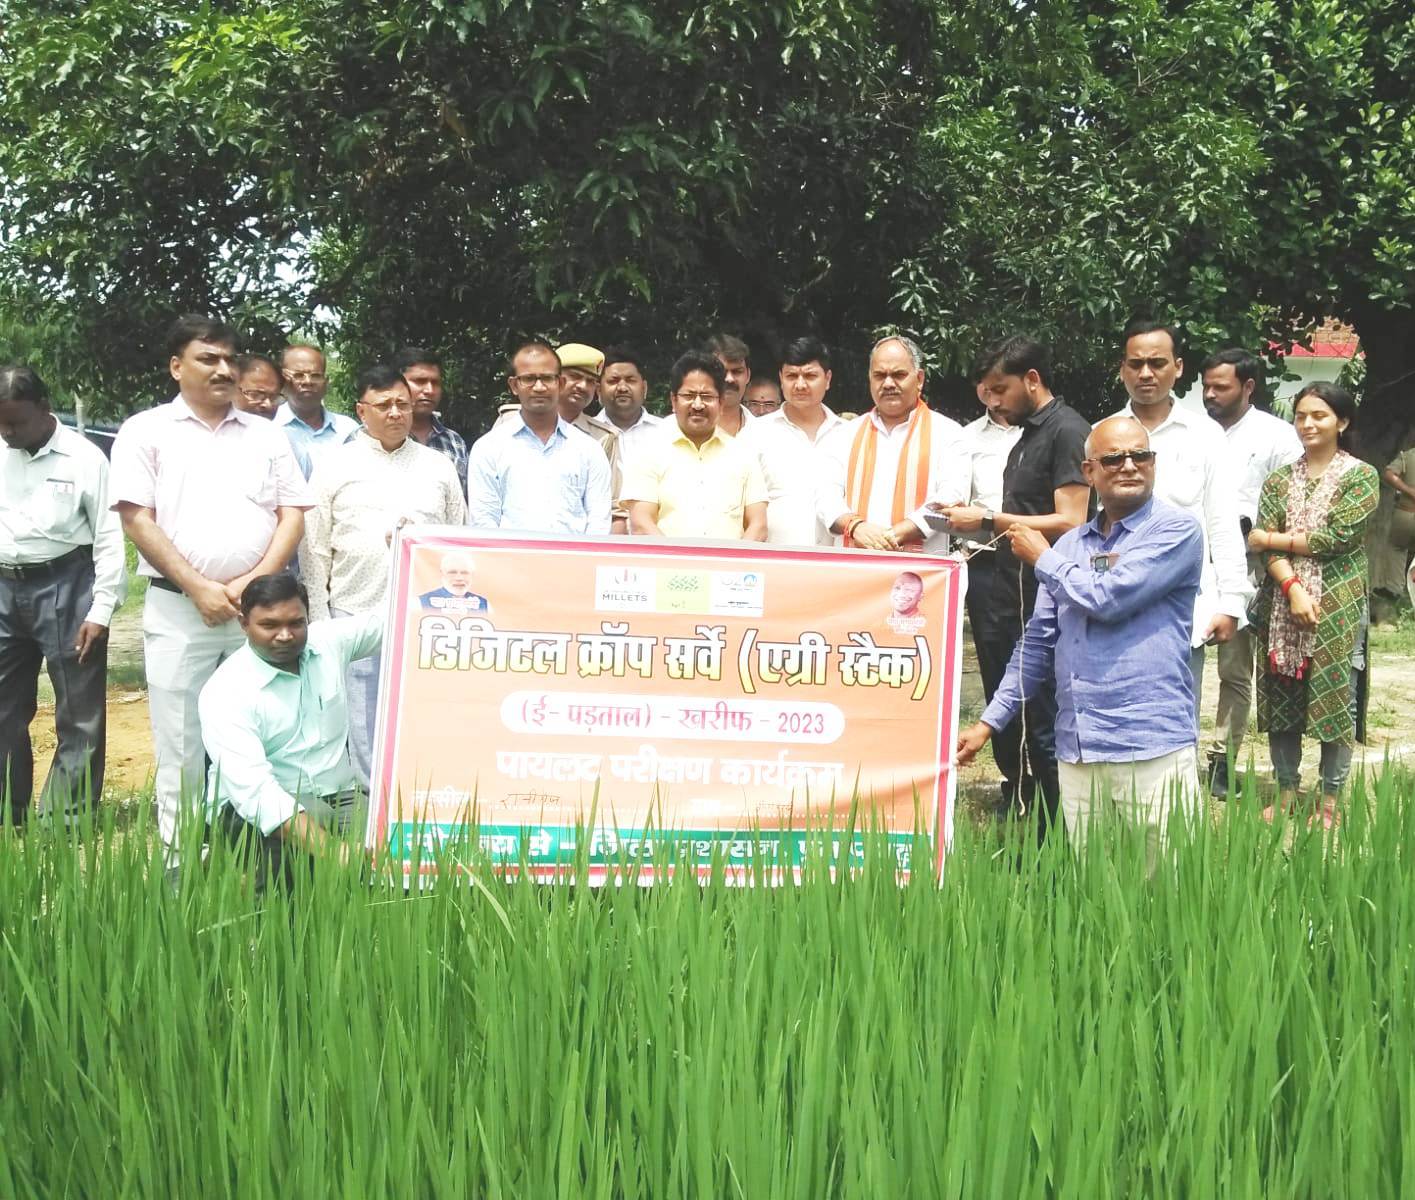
(1103, 562)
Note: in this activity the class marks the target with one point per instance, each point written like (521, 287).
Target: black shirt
(1047, 456)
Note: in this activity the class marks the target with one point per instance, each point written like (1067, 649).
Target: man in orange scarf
(875, 485)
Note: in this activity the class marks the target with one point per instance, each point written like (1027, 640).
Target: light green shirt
(277, 739)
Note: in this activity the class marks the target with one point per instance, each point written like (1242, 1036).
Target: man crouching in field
(275, 722)
(1112, 627)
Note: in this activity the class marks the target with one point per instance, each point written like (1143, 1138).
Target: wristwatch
(988, 517)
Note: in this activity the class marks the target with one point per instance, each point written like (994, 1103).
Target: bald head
(1120, 466)
(1126, 428)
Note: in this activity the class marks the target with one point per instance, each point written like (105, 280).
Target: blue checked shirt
(454, 446)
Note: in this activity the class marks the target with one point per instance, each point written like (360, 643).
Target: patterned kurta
(1320, 703)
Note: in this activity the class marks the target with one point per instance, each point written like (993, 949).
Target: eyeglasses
(531, 381)
(255, 396)
(389, 406)
(303, 376)
(1113, 462)
(705, 397)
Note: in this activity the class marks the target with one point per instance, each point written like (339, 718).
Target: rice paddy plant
(1242, 1023)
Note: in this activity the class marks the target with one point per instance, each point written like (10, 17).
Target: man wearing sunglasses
(1112, 627)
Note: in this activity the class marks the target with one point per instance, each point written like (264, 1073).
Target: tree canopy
(462, 174)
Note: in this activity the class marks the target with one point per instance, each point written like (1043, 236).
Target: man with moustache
(736, 359)
(580, 367)
(1043, 488)
(365, 490)
(623, 388)
(212, 498)
(696, 482)
(788, 445)
(901, 454)
(310, 426)
(1260, 443)
(1112, 630)
(275, 724)
(1194, 471)
(423, 371)
(534, 471)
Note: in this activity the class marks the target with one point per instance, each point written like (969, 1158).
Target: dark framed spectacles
(530, 381)
(705, 397)
(1113, 462)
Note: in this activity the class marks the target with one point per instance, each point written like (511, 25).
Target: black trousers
(39, 623)
(1028, 766)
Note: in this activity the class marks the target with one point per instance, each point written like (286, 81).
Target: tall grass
(1241, 1024)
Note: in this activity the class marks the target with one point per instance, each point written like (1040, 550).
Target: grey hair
(911, 348)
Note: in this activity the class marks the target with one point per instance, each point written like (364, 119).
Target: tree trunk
(1387, 416)
(1386, 423)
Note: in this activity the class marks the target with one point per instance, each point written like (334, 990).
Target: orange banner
(722, 697)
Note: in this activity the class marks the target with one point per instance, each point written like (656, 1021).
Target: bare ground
(130, 761)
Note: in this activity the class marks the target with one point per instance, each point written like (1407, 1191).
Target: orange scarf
(911, 480)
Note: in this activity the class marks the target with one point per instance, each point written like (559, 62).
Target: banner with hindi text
(647, 695)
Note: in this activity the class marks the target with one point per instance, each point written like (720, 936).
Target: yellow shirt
(701, 491)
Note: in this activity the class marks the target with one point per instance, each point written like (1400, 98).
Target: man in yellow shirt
(696, 481)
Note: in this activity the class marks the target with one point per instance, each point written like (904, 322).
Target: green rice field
(1240, 1024)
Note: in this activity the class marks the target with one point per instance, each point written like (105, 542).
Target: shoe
(1218, 776)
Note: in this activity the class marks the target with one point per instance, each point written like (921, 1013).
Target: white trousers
(1146, 792)
(180, 652)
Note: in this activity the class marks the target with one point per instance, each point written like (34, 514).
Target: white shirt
(214, 491)
(362, 493)
(989, 444)
(949, 475)
(633, 439)
(791, 466)
(1259, 443)
(1194, 471)
(516, 481)
(56, 500)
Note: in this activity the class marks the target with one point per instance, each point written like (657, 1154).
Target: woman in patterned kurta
(1312, 520)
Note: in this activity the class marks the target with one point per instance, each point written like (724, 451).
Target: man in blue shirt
(1112, 625)
(313, 430)
(535, 472)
